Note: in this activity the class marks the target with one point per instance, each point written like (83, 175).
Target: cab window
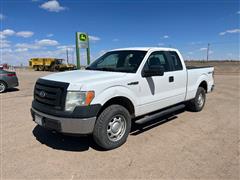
(177, 64)
(158, 58)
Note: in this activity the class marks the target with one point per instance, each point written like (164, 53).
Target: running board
(159, 114)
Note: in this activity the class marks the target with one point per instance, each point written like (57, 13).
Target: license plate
(38, 120)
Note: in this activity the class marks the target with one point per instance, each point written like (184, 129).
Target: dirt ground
(184, 146)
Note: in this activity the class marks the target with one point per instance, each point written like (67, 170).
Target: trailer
(50, 64)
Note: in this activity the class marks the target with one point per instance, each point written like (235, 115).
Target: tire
(36, 68)
(3, 86)
(112, 127)
(41, 68)
(197, 104)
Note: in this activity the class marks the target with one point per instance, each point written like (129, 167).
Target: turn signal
(89, 97)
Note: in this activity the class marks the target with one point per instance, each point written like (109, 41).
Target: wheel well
(203, 84)
(123, 101)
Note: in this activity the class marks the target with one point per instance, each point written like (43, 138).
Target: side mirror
(153, 70)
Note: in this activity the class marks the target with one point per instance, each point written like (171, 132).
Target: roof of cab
(145, 49)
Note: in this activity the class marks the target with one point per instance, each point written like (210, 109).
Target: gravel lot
(188, 145)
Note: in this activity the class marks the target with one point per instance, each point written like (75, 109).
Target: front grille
(51, 93)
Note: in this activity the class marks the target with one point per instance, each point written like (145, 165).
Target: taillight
(11, 75)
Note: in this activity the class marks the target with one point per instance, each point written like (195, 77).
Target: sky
(42, 28)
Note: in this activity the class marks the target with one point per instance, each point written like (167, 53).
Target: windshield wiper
(89, 68)
(101, 69)
(106, 69)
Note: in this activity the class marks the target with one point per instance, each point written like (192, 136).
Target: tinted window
(119, 61)
(176, 61)
(159, 58)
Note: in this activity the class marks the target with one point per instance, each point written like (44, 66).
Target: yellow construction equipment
(50, 64)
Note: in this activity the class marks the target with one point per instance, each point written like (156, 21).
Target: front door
(160, 91)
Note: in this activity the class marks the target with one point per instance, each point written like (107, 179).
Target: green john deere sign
(82, 37)
(82, 42)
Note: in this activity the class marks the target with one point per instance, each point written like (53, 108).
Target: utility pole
(88, 51)
(77, 52)
(208, 47)
(67, 55)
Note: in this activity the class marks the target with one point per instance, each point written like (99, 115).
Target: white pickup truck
(122, 86)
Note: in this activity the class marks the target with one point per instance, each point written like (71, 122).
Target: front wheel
(112, 127)
(198, 102)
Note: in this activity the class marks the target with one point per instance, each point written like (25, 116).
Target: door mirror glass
(153, 68)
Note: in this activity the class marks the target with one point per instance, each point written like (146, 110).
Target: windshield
(119, 61)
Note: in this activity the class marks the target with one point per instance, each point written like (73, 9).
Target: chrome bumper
(65, 125)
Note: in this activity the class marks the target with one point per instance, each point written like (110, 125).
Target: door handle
(171, 79)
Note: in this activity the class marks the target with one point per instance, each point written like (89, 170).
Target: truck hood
(83, 76)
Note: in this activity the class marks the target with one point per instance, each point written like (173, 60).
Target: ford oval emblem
(42, 94)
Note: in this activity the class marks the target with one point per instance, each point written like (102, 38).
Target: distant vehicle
(4, 66)
(50, 64)
(122, 86)
(8, 80)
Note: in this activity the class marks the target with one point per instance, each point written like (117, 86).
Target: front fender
(115, 91)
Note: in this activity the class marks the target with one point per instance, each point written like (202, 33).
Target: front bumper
(212, 88)
(12, 82)
(65, 124)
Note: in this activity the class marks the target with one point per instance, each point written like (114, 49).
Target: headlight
(78, 98)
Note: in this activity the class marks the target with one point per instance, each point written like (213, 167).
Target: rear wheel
(3, 86)
(41, 68)
(112, 127)
(198, 102)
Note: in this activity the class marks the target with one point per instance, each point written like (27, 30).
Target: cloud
(165, 37)
(238, 12)
(6, 50)
(28, 46)
(25, 34)
(160, 44)
(21, 50)
(2, 17)
(47, 42)
(50, 35)
(4, 43)
(10, 32)
(115, 40)
(196, 43)
(22, 55)
(231, 31)
(203, 49)
(52, 6)
(38, 44)
(94, 38)
(2, 36)
(7, 32)
(64, 47)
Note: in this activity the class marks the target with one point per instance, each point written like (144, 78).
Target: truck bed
(197, 67)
